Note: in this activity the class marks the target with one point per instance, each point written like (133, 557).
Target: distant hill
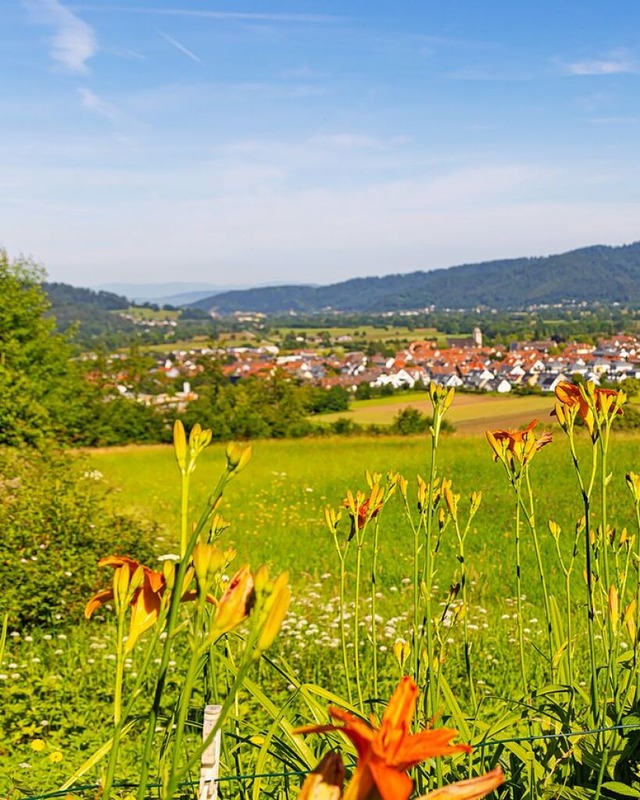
(90, 312)
(591, 274)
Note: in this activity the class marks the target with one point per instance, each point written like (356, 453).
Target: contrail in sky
(180, 47)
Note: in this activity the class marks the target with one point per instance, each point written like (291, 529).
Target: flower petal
(471, 789)
(390, 783)
(427, 744)
(99, 599)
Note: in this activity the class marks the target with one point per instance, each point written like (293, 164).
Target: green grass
(276, 505)
(275, 508)
(142, 313)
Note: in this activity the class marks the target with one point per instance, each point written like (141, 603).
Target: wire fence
(480, 745)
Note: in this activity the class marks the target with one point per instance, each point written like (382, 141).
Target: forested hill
(90, 312)
(591, 274)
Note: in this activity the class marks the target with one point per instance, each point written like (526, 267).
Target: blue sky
(242, 143)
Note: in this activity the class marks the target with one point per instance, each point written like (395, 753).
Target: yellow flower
(56, 757)
(275, 610)
(38, 745)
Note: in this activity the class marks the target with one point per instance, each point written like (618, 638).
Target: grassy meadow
(57, 680)
(276, 505)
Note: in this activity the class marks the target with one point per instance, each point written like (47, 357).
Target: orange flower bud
(275, 608)
(236, 603)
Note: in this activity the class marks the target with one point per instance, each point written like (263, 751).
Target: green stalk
(417, 639)
(374, 631)
(415, 633)
(604, 449)
(567, 589)
(465, 622)
(586, 501)
(342, 555)
(636, 643)
(343, 630)
(356, 623)
(523, 672)
(117, 707)
(193, 668)
(427, 575)
(530, 516)
(174, 605)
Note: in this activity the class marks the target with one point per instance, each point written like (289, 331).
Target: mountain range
(599, 273)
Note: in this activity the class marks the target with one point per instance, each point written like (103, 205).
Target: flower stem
(174, 605)
(523, 672)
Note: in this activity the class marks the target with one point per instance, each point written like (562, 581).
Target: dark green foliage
(410, 421)
(323, 401)
(629, 419)
(56, 523)
(61, 294)
(252, 408)
(41, 388)
(592, 274)
(344, 426)
(123, 421)
(90, 317)
(194, 313)
(44, 395)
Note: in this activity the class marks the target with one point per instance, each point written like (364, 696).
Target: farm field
(470, 413)
(370, 333)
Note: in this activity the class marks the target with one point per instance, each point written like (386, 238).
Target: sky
(277, 141)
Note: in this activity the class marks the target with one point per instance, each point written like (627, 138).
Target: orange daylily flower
(514, 438)
(385, 753)
(146, 601)
(570, 395)
(364, 514)
(471, 789)
(520, 444)
(236, 603)
(362, 509)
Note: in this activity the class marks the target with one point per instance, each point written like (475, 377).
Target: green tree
(41, 389)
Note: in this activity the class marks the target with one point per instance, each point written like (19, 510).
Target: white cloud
(613, 64)
(246, 217)
(73, 42)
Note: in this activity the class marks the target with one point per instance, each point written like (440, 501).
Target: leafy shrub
(409, 421)
(56, 523)
(344, 426)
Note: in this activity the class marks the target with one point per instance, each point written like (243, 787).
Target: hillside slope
(591, 274)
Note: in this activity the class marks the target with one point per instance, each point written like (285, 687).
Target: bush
(56, 522)
(409, 421)
(344, 426)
